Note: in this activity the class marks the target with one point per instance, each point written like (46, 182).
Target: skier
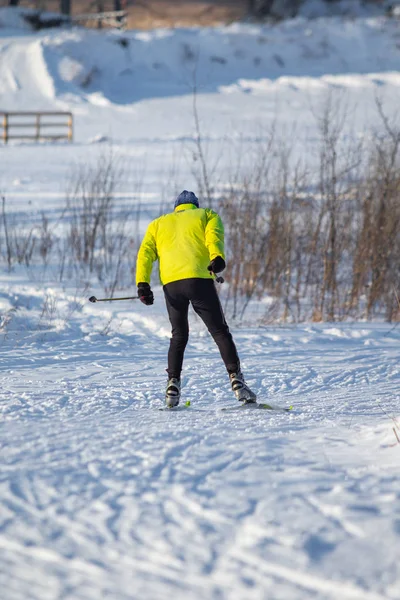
(189, 245)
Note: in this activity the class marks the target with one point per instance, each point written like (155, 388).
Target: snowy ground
(101, 494)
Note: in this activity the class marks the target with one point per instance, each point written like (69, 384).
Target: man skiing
(189, 245)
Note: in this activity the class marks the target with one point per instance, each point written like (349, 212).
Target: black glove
(145, 294)
(217, 265)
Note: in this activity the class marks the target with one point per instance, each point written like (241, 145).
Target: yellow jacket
(183, 242)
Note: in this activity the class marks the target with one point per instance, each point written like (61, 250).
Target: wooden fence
(36, 126)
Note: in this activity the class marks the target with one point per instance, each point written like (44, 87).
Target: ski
(258, 405)
(175, 408)
(241, 406)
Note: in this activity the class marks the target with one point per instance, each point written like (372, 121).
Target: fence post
(5, 128)
(70, 128)
(38, 127)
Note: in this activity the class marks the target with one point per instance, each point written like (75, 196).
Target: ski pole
(94, 299)
(218, 279)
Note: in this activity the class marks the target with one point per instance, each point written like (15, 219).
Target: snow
(101, 494)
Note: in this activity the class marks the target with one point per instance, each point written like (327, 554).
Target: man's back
(184, 242)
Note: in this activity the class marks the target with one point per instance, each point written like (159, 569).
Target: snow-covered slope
(126, 67)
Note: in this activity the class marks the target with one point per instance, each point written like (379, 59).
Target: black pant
(202, 295)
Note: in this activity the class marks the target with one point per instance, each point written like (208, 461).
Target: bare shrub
(244, 208)
(377, 251)
(339, 161)
(197, 151)
(9, 253)
(46, 239)
(103, 238)
(92, 237)
(284, 265)
(89, 201)
(321, 243)
(20, 242)
(266, 230)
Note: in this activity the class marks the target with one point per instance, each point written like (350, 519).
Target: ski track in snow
(103, 495)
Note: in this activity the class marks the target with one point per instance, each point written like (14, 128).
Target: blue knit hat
(186, 197)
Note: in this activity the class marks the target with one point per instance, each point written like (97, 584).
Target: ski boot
(242, 391)
(173, 392)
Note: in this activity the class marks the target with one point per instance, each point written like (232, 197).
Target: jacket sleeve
(146, 256)
(214, 235)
